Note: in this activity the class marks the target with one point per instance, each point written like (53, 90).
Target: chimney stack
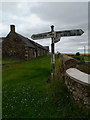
(12, 28)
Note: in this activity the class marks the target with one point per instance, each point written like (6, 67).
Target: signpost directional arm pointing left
(41, 36)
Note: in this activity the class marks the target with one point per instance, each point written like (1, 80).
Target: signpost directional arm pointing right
(65, 33)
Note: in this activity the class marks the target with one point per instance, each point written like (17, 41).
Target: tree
(77, 54)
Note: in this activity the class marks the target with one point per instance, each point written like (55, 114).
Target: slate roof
(47, 47)
(26, 40)
(31, 43)
(38, 45)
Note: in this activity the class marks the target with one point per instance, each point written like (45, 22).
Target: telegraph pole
(52, 54)
(84, 50)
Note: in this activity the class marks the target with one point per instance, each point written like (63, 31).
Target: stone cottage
(16, 46)
(40, 50)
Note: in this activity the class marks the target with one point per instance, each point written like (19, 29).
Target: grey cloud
(13, 8)
(62, 12)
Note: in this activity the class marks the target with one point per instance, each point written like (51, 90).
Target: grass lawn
(26, 94)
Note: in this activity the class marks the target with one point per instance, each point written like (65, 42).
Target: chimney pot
(12, 28)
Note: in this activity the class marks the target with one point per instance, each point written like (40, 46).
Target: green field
(84, 67)
(81, 57)
(27, 94)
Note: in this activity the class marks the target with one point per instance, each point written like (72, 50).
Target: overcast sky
(37, 17)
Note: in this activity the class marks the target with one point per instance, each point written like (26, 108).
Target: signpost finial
(52, 28)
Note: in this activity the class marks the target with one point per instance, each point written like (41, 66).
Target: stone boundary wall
(69, 62)
(79, 90)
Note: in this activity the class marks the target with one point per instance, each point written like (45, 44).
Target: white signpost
(41, 36)
(55, 36)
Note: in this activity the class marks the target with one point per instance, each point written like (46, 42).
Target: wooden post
(52, 55)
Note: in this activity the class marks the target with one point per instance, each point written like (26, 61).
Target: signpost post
(55, 37)
(52, 52)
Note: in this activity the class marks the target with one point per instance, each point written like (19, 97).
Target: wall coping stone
(78, 76)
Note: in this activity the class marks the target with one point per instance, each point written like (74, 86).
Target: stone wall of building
(13, 49)
(31, 53)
